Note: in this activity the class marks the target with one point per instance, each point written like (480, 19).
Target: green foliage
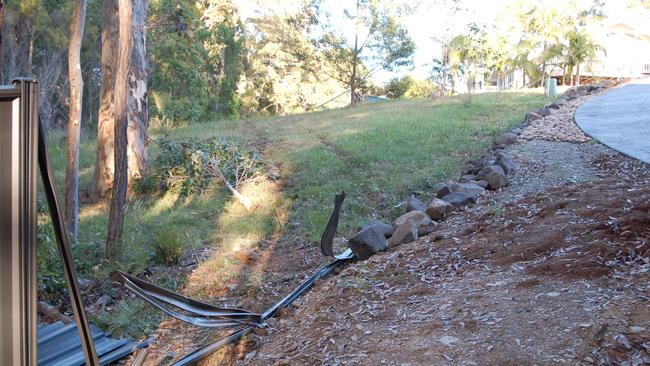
(396, 88)
(379, 39)
(409, 88)
(581, 49)
(51, 284)
(177, 59)
(167, 246)
(131, 317)
(189, 167)
(197, 58)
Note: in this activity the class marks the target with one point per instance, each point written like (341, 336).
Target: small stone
(496, 180)
(382, 227)
(415, 204)
(354, 338)
(447, 340)
(637, 329)
(261, 332)
(438, 209)
(406, 232)
(506, 163)
(420, 218)
(552, 294)
(459, 199)
(367, 242)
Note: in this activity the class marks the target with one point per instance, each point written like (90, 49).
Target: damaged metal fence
(205, 315)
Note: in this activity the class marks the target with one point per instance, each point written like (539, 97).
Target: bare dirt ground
(553, 269)
(558, 277)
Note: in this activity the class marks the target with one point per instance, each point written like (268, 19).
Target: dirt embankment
(558, 277)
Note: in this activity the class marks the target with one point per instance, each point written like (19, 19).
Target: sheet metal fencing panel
(22, 146)
(18, 153)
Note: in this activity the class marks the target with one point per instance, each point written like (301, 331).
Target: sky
(431, 20)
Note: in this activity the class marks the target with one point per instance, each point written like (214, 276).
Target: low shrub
(167, 247)
(189, 167)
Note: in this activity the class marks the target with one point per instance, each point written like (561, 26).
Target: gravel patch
(543, 164)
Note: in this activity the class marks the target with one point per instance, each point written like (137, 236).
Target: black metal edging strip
(213, 346)
(218, 343)
(222, 322)
(190, 305)
(61, 234)
(227, 317)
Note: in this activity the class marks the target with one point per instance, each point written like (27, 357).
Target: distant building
(625, 35)
(374, 98)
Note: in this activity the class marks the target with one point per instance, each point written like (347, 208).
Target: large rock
(420, 218)
(544, 111)
(506, 163)
(475, 165)
(438, 209)
(489, 169)
(459, 199)
(427, 229)
(406, 232)
(470, 168)
(367, 242)
(415, 204)
(507, 138)
(444, 190)
(481, 183)
(469, 188)
(496, 180)
(531, 117)
(466, 178)
(383, 228)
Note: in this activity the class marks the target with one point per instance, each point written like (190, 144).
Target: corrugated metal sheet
(59, 345)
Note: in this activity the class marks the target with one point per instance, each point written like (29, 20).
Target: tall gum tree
(120, 180)
(137, 104)
(74, 123)
(379, 40)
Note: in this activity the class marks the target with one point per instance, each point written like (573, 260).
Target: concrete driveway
(620, 119)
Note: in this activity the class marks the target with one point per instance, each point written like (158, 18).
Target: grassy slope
(377, 153)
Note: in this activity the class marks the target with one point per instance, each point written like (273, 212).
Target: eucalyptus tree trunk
(74, 123)
(2, 21)
(137, 104)
(138, 115)
(355, 60)
(118, 199)
(104, 164)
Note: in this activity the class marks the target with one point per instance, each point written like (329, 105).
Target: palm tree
(447, 68)
(581, 50)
